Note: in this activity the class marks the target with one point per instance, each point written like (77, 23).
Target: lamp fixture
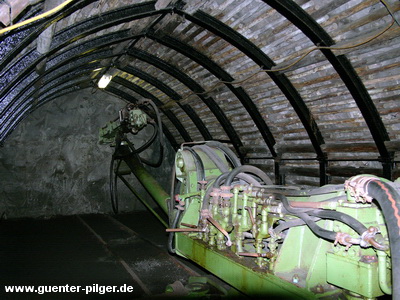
(104, 80)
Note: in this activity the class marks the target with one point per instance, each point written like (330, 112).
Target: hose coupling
(358, 186)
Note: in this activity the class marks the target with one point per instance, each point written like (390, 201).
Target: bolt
(319, 289)
(295, 278)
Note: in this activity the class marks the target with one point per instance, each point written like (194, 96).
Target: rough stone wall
(52, 164)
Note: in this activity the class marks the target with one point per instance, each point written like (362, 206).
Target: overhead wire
(303, 56)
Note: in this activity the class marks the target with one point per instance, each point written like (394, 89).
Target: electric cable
(304, 55)
(36, 18)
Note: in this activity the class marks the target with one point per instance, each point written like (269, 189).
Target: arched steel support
(221, 74)
(302, 20)
(259, 57)
(172, 94)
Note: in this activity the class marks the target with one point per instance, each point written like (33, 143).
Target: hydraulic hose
(317, 230)
(171, 196)
(389, 202)
(219, 180)
(221, 165)
(172, 234)
(289, 224)
(213, 157)
(159, 123)
(341, 217)
(113, 185)
(146, 144)
(160, 136)
(228, 152)
(199, 164)
(250, 169)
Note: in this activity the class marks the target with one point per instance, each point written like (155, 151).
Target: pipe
(148, 181)
(382, 269)
(142, 200)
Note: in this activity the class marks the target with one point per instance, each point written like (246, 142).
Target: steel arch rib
(193, 86)
(302, 20)
(259, 57)
(217, 71)
(173, 95)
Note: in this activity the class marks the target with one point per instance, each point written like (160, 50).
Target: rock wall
(52, 164)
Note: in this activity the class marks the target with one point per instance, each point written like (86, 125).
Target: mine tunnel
(199, 148)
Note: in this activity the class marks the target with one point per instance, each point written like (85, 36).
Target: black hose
(199, 164)
(171, 235)
(228, 152)
(339, 216)
(160, 137)
(250, 169)
(158, 162)
(221, 165)
(389, 201)
(171, 196)
(289, 224)
(146, 144)
(317, 230)
(326, 189)
(113, 185)
(159, 123)
(213, 157)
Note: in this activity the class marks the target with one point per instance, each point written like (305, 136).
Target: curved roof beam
(27, 34)
(73, 87)
(94, 55)
(195, 88)
(302, 20)
(146, 94)
(221, 74)
(132, 99)
(172, 94)
(259, 57)
(191, 84)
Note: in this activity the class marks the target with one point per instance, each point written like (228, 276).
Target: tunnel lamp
(104, 81)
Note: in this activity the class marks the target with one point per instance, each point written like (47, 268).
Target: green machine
(333, 242)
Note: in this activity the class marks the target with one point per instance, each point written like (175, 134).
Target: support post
(323, 165)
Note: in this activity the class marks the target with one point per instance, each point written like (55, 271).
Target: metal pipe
(148, 181)
(382, 269)
(142, 200)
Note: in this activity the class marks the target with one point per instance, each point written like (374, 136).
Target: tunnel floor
(90, 251)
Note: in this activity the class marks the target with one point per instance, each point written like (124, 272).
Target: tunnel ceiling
(299, 87)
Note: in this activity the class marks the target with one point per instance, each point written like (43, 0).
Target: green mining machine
(336, 241)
